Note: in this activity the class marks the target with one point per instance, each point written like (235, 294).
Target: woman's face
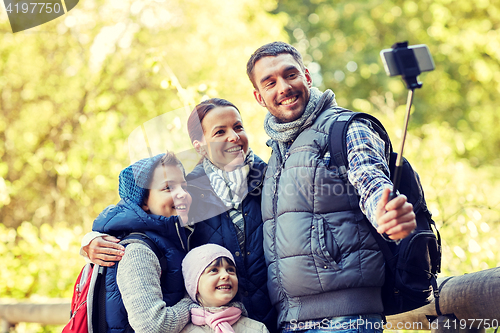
(224, 141)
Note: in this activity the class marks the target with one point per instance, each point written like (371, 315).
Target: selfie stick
(399, 160)
(408, 67)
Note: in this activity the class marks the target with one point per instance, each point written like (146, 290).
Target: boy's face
(168, 195)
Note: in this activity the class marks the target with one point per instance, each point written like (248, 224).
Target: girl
(211, 281)
(139, 294)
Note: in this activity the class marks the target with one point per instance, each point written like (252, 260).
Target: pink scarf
(220, 322)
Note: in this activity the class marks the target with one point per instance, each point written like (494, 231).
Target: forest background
(75, 91)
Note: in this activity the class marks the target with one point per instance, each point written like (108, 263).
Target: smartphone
(422, 55)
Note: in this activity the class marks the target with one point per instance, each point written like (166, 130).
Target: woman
(230, 215)
(226, 191)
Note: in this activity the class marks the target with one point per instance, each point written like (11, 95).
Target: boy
(139, 295)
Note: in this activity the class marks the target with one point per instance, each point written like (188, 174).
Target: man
(324, 267)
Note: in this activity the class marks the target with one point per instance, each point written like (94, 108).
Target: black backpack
(411, 266)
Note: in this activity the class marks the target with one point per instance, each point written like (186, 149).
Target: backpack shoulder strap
(338, 132)
(100, 325)
(338, 157)
(152, 245)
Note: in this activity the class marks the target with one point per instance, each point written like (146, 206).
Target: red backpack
(88, 306)
(78, 322)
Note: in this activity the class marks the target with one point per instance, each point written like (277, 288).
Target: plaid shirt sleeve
(368, 165)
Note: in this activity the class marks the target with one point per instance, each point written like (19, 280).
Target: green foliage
(343, 39)
(39, 261)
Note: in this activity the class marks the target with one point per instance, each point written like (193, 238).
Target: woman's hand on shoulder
(105, 250)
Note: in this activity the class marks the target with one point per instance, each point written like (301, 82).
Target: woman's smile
(224, 138)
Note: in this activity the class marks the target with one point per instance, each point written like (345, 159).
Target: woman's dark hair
(195, 119)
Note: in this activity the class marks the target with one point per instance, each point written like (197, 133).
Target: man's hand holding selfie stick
(394, 214)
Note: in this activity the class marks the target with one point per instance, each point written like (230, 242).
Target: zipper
(191, 230)
(78, 308)
(74, 313)
(276, 177)
(179, 235)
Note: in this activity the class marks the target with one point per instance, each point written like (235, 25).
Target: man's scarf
(284, 133)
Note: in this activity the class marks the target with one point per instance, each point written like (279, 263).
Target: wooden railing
(50, 312)
(468, 303)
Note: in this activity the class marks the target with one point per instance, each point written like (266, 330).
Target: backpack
(411, 265)
(88, 304)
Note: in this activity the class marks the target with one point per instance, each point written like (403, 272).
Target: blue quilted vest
(215, 226)
(168, 236)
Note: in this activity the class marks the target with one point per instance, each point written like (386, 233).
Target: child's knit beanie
(134, 180)
(196, 261)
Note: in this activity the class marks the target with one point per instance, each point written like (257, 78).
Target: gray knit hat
(134, 180)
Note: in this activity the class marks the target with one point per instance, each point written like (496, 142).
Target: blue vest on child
(168, 236)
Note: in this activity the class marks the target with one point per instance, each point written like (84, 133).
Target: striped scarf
(231, 187)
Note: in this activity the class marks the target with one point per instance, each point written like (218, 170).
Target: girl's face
(168, 195)
(224, 141)
(218, 284)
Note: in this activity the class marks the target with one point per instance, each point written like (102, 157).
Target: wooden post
(52, 312)
(5, 326)
(472, 300)
(473, 297)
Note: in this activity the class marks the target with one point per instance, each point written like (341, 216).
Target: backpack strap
(101, 326)
(338, 133)
(338, 143)
(152, 245)
(338, 156)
